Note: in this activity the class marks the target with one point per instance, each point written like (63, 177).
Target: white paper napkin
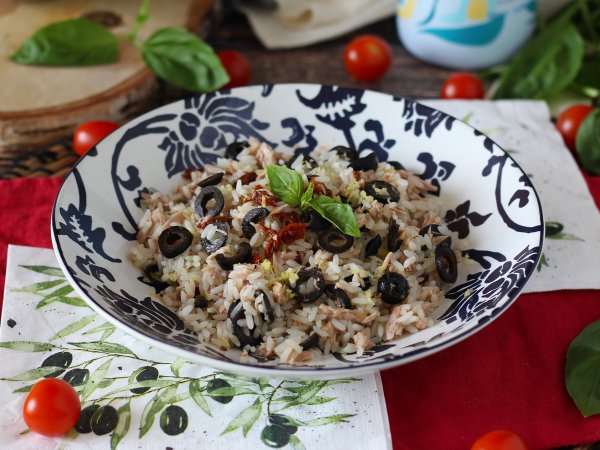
(523, 128)
(43, 320)
(296, 23)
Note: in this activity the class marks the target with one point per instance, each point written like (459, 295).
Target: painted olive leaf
(28, 346)
(337, 418)
(46, 270)
(124, 413)
(100, 328)
(35, 374)
(582, 373)
(94, 380)
(319, 400)
(104, 347)
(232, 391)
(144, 384)
(72, 301)
(176, 366)
(197, 396)
(73, 327)
(154, 407)
(295, 443)
(246, 419)
(40, 287)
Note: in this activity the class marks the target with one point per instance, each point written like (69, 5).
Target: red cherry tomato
(52, 407)
(499, 440)
(462, 85)
(367, 57)
(569, 121)
(90, 133)
(237, 67)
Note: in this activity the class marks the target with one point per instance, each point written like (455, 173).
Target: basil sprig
(173, 54)
(582, 373)
(288, 185)
(75, 42)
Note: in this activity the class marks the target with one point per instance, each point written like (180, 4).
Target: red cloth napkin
(510, 375)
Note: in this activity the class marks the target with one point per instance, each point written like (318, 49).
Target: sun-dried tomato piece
(265, 230)
(292, 232)
(257, 258)
(248, 177)
(262, 197)
(187, 173)
(320, 188)
(288, 217)
(272, 245)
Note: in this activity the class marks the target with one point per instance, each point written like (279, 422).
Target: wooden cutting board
(39, 105)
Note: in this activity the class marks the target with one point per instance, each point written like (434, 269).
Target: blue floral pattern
(487, 195)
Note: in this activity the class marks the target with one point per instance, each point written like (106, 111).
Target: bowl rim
(288, 371)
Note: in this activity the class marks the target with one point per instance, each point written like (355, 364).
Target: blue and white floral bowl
(489, 199)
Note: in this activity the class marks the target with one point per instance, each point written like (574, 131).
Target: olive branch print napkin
(134, 396)
(572, 222)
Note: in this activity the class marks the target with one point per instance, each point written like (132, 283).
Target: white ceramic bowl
(489, 200)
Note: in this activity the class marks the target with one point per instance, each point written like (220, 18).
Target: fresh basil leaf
(588, 75)
(75, 42)
(184, 60)
(582, 373)
(587, 142)
(547, 64)
(339, 214)
(307, 196)
(286, 183)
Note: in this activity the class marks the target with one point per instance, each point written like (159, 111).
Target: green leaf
(74, 42)
(179, 398)
(547, 64)
(107, 334)
(246, 419)
(319, 400)
(295, 443)
(74, 327)
(124, 413)
(154, 407)
(565, 237)
(46, 270)
(307, 196)
(72, 301)
(104, 347)
(35, 374)
(39, 287)
(197, 396)
(144, 384)
(582, 373)
(176, 366)
(339, 214)
(61, 292)
(104, 327)
(287, 184)
(587, 142)
(264, 384)
(28, 346)
(588, 74)
(23, 389)
(94, 380)
(232, 391)
(184, 60)
(337, 418)
(107, 382)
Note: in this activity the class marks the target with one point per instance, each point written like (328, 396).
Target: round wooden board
(40, 105)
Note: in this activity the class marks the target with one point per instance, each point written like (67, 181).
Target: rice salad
(291, 257)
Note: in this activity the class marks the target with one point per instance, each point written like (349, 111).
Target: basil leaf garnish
(587, 142)
(184, 60)
(582, 374)
(75, 42)
(286, 183)
(307, 196)
(339, 214)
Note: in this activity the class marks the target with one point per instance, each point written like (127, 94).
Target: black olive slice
(242, 255)
(367, 162)
(372, 246)
(200, 301)
(174, 241)
(314, 220)
(345, 153)
(310, 285)
(393, 242)
(396, 165)
(219, 239)
(245, 339)
(212, 180)
(310, 342)
(393, 288)
(341, 299)
(382, 191)
(153, 274)
(334, 241)
(268, 314)
(207, 194)
(445, 263)
(308, 162)
(367, 282)
(234, 149)
(434, 229)
(253, 216)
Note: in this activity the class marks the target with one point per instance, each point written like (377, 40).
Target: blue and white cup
(465, 34)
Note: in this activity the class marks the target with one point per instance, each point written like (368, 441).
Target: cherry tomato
(52, 407)
(462, 85)
(237, 67)
(569, 121)
(90, 133)
(499, 440)
(367, 57)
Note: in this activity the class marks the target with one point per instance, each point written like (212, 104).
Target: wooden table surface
(318, 63)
